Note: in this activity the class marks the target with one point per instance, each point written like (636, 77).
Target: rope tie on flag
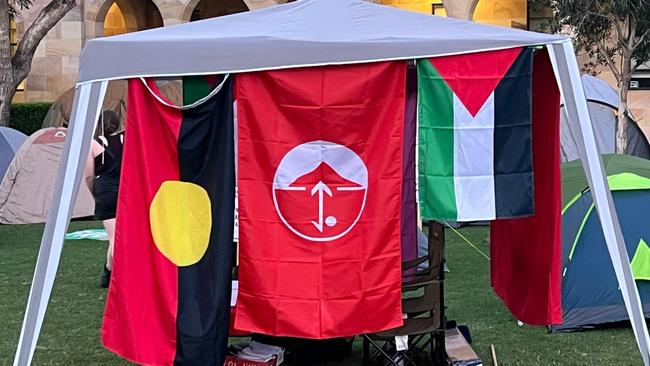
(189, 106)
(467, 240)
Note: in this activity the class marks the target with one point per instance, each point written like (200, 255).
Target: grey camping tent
(115, 100)
(10, 142)
(304, 33)
(602, 100)
(28, 186)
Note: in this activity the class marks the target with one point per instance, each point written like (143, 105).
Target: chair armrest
(414, 263)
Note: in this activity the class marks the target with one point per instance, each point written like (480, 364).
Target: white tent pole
(86, 109)
(573, 96)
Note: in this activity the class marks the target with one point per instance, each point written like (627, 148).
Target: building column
(171, 11)
(460, 9)
(259, 4)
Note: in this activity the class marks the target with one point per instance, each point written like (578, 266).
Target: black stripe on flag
(513, 172)
(206, 158)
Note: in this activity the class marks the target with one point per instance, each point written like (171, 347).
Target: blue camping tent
(590, 292)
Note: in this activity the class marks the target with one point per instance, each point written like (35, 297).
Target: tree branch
(612, 66)
(641, 39)
(631, 33)
(46, 20)
(620, 37)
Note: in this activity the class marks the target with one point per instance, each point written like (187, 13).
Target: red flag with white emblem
(319, 177)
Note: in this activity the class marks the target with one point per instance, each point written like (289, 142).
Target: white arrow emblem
(321, 188)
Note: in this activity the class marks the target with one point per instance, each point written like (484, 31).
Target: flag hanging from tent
(526, 253)
(169, 298)
(319, 178)
(474, 132)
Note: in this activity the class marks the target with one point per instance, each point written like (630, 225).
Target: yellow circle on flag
(181, 218)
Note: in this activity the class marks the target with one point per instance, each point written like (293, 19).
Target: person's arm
(95, 149)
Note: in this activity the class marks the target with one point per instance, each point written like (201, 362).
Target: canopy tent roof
(303, 33)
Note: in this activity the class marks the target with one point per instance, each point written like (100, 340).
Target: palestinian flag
(320, 184)
(169, 298)
(474, 159)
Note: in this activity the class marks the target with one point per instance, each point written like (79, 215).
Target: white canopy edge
(89, 97)
(293, 66)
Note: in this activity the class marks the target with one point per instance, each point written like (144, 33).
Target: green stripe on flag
(436, 145)
(195, 88)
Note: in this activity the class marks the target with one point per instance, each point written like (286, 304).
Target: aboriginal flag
(320, 184)
(169, 298)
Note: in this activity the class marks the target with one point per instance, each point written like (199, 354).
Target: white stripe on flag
(474, 161)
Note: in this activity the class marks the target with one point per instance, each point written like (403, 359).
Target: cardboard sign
(459, 351)
(235, 361)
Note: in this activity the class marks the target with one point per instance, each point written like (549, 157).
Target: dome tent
(592, 298)
(27, 189)
(305, 33)
(59, 113)
(10, 142)
(602, 100)
(115, 100)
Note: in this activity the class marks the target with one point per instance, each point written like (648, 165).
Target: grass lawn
(70, 334)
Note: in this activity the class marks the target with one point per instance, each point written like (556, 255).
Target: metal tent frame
(300, 34)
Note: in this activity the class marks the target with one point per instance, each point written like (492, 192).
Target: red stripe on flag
(140, 318)
(526, 253)
(293, 280)
(484, 69)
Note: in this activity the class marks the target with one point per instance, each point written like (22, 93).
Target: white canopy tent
(303, 33)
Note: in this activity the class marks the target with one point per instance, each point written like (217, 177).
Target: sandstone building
(55, 64)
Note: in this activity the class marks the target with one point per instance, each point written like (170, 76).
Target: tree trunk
(6, 95)
(623, 118)
(6, 68)
(14, 68)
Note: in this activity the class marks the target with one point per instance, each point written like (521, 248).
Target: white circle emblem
(320, 189)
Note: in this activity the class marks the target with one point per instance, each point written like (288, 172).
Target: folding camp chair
(424, 329)
(425, 320)
(433, 272)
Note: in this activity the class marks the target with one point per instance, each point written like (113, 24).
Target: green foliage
(28, 117)
(604, 29)
(16, 5)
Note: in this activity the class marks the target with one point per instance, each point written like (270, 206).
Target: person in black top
(103, 178)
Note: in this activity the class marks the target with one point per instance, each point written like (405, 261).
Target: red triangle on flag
(473, 77)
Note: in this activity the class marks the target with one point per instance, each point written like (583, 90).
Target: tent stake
(494, 355)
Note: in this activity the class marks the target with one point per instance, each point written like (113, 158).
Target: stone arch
(188, 9)
(508, 13)
(136, 16)
(128, 15)
(222, 8)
